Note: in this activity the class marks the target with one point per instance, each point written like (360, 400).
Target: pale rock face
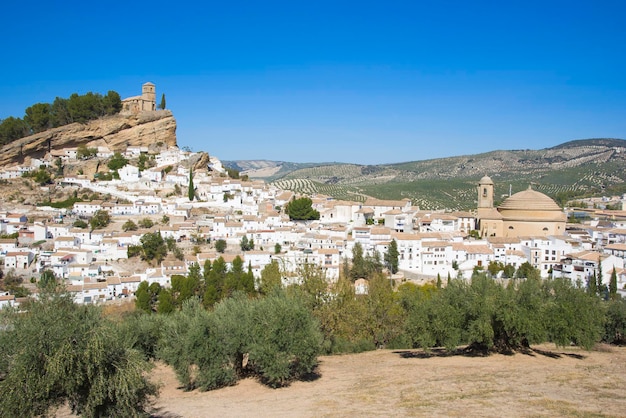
(117, 132)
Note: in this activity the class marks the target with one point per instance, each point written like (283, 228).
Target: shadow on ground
(472, 351)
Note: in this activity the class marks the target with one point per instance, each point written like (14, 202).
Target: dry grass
(546, 382)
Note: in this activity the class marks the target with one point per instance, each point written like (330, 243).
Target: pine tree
(166, 302)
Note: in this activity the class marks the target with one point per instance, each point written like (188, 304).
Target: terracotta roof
(529, 199)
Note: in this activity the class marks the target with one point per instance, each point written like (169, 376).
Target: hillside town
(430, 244)
(146, 186)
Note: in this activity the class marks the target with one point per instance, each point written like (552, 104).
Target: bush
(61, 352)
(285, 340)
(220, 245)
(487, 316)
(615, 326)
(208, 350)
(146, 223)
(100, 219)
(142, 332)
(129, 225)
(79, 223)
(573, 315)
(193, 346)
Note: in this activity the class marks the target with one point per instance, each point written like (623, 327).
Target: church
(527, 213)
(145, 102)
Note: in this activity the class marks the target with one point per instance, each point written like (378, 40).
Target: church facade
(145, 102)
(527, 213)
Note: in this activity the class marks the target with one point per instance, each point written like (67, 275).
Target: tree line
(215, 326)
(42, 116)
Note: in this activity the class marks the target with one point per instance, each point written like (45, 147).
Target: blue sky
(362, 82)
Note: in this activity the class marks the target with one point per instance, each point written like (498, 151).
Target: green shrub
(142, 332)
(573, 316)
(60, 352)
(277, 335)
(193, 346)
(615, 326)
(285, 339)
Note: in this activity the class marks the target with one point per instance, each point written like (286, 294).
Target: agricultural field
(310, 187)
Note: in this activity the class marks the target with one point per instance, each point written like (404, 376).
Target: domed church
(527, 213)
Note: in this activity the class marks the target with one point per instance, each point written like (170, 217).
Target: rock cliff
(117, 132)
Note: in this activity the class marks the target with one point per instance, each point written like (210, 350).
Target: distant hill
(267, 169)
(572, 169)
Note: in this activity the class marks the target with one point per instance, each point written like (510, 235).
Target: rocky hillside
(117, 132)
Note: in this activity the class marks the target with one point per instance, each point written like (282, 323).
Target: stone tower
(148, 96)
(485, 193)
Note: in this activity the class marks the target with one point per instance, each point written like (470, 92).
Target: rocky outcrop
(117, 132)
(200, 161)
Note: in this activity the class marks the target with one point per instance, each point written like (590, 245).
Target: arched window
(484, 192)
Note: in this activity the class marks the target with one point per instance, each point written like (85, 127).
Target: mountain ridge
(250, 166)
(574, 168)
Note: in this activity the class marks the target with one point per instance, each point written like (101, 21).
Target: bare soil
(545, 382)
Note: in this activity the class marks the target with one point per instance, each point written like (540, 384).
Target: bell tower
(485, 193)
(148, 96)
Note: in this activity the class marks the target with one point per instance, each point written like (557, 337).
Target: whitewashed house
(87, 208)
(129, 173)
(18, 260)
(7, 245)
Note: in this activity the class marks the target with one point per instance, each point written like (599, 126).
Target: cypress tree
(592, 284)
(192, 191)
(613, 284)
(601, 288)
(391, 257)
(162, 105)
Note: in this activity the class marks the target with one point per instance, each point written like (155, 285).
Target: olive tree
(57, 352)
(277, 334)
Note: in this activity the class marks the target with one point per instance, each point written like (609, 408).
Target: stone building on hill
(527, 213)
(145, 102)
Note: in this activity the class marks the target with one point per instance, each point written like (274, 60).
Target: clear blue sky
(352, 81)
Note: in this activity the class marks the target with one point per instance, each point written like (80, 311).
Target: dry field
(546, 382)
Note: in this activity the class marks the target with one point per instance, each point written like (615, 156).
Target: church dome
(486, 180)
(530, 200)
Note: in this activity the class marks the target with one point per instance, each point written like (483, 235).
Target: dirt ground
(548, 381)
